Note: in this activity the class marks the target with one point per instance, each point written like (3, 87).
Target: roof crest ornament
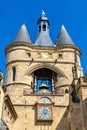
(43, 13)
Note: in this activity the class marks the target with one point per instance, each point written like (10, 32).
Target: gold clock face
(44, 110)
(45, 113)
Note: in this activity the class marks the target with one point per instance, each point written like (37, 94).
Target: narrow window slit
(14, 73)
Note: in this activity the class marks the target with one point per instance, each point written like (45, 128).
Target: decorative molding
(24, 44)
(48, 66)
(35, 61)
(16, 83)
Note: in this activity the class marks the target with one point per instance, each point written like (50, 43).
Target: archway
(48, 66)
(45, 75)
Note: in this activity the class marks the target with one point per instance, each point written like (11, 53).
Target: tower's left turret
(18, 59)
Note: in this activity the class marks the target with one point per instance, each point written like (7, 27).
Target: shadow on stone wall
(64, 123)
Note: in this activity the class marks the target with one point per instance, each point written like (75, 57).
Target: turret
(16, 53)
(70, 50)
(43, 32)
(43, 23)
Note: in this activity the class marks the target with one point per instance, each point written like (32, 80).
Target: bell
(43, 85)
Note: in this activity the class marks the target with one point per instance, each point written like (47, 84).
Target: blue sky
(71, 13)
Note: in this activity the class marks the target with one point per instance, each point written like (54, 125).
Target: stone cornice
(35, 61)
(84, 85)
(16, 83)
(18, 105)
(12, 45)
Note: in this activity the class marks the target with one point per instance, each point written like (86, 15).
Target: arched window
(44, 27)
(14, 73)
(45, 100)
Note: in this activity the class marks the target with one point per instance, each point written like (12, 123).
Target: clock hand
(44, 111)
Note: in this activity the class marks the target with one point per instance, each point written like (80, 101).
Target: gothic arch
(48, 66)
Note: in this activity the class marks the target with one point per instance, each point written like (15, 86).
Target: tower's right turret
(71, 53)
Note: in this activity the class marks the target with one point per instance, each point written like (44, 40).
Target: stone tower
(42, 80)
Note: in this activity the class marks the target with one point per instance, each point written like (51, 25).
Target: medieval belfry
(45, 88)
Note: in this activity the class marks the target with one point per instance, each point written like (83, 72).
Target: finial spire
(43, 13)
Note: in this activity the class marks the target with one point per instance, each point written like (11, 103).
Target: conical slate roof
(63, 37)
(22, 35)
(43, 39)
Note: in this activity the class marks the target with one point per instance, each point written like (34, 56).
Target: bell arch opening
(44, 79)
